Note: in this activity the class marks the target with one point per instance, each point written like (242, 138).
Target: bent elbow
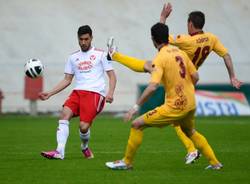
(195, 78)
(153, 87)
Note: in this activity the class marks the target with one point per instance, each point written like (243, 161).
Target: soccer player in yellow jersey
(197, 44)
(175, 71)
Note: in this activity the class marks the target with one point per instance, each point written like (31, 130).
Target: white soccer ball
(33, 68)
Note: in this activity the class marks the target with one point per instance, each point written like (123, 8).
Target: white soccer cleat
(111, 48)
(118, 165)
(191, 157)
(215, 167)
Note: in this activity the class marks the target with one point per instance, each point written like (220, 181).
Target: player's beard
(85, 48)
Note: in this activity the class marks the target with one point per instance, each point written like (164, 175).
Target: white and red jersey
(89, 69)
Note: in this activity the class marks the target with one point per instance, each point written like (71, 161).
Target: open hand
(166, 10)
(236, 83)
(129, 115)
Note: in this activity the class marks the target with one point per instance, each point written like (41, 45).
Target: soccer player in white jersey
(88, 66)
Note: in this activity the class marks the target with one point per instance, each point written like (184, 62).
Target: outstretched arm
(151, 88)
(59, 87)
(229, 64)
(165, 12)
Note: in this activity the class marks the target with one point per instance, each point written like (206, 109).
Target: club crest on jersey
(84, 66)
(92, 57)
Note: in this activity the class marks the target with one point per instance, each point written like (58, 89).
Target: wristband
(136, 107)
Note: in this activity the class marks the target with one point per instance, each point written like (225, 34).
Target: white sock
(85, 139)
(62, 135)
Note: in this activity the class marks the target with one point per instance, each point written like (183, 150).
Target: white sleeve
(68, 67)
(107, 65)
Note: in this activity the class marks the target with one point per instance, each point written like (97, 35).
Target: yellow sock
(134, 141)
(201, 143)
(184, 139)
(133, 63)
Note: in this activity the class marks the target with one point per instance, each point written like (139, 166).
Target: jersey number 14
(201, 54)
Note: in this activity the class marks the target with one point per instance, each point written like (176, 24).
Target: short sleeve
(219, 48)
(158, 69)
(179, 40)
(68, 67)
(107, 65)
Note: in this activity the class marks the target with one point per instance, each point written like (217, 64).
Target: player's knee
(148, 67)
(188, 131)
(137, 124)
(65, 115)
(84, 127)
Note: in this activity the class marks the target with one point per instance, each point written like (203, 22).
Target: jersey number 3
(181, 65)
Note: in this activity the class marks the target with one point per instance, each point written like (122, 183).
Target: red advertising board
(32, 87)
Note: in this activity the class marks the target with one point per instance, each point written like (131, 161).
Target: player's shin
(134, 141)
(134, 64)
(85, 139)
(62, 135)
(185, 140)
(201, 143)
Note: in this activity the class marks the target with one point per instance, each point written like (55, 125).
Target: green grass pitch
(160, 159)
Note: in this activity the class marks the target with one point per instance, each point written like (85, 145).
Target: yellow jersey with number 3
(173, 69)
(198, 46)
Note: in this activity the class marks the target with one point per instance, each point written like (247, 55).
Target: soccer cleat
(88, 153)
(215, 167)
(191, 157)
(111, 48)
(118, 165)
(52, 155)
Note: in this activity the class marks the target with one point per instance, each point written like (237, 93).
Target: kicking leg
(134, 64)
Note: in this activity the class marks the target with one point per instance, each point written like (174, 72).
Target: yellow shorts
(163, 116)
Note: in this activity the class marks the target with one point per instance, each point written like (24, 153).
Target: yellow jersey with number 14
(198, 46)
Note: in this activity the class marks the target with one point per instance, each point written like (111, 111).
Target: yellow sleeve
(171, 39)
(157, 73)
(219, 48)
(181, 41)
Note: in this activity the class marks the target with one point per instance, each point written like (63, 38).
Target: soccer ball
(33, 68)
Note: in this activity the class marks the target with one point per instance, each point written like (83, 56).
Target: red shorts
(86, 104)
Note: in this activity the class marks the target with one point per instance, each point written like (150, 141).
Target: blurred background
(46, 30)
